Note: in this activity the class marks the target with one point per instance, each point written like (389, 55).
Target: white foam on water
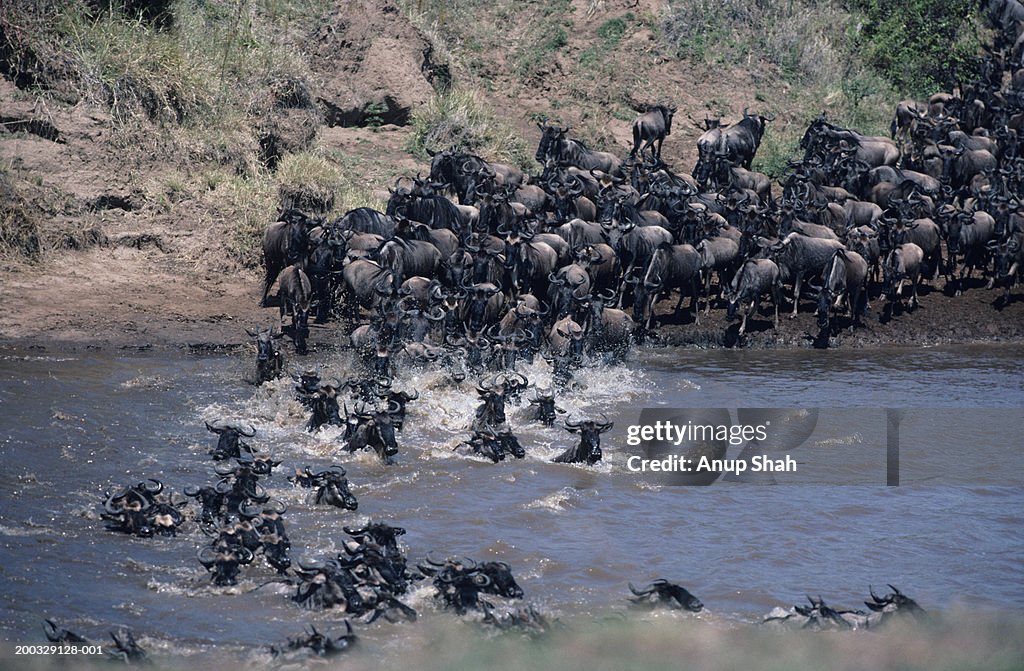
(147, 382)
(559, 501)
(853, 439)
(6, 530)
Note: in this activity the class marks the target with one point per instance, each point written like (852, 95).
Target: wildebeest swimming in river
(663, 592)
(269, 359)
(588, 450)
(820, 616)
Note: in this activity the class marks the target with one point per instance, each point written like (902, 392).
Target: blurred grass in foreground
(952, 642)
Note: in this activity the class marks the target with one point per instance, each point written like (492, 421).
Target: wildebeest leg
(852, 300)
(755, 305)
(964, 273)
(707, 293)
(679, 303)
(652, 301)
(796, 294)
(268, 281)
(694, 307)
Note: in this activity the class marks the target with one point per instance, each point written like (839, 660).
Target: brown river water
(73, 426)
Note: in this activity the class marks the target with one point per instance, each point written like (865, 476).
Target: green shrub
(921, 45)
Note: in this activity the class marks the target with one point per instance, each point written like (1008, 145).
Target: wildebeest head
(229, 445)
(269, 360)
(324, 406)
(894, 603)
(458, 583)
(332, 489)
(551, 137)
(477, 298)
(502, 583)
(546, 408)
(376, 430)
(210, 498)
(224, 563)
(588, 450)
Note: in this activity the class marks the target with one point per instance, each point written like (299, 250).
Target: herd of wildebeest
(574, 261)
(480, 267)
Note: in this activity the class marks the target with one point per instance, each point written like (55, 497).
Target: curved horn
(207, 556)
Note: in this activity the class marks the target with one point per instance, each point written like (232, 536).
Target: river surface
(75, 426)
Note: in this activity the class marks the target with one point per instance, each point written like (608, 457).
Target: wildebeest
(555, 146)
(608, 330)
(663, 592)
(800, 256)
(924, 233)
(460, 582)
(365, 284)
(968, 234)
(1009, 257)
(568, 285)
(482, 306)
(495, 444)
(588, 450)
(408, 258)
(872, 150)
(820, 616)
(315, 643)
(671, 267)
(737, 143)
(565, 339)
(284, 243)
(636, 245)
(546, 410)
(224, 563)
(296, 297)
(332, 489)
(125, 648)
(843, 282)
(717, 255)
(652, 127)
(56, 634)
(903, 263)
(529, 264)
(229, 443)
(373, 429)
(753, 279)
(366, 220)
(269, 359)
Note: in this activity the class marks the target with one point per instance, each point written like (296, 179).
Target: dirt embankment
(126, 265)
